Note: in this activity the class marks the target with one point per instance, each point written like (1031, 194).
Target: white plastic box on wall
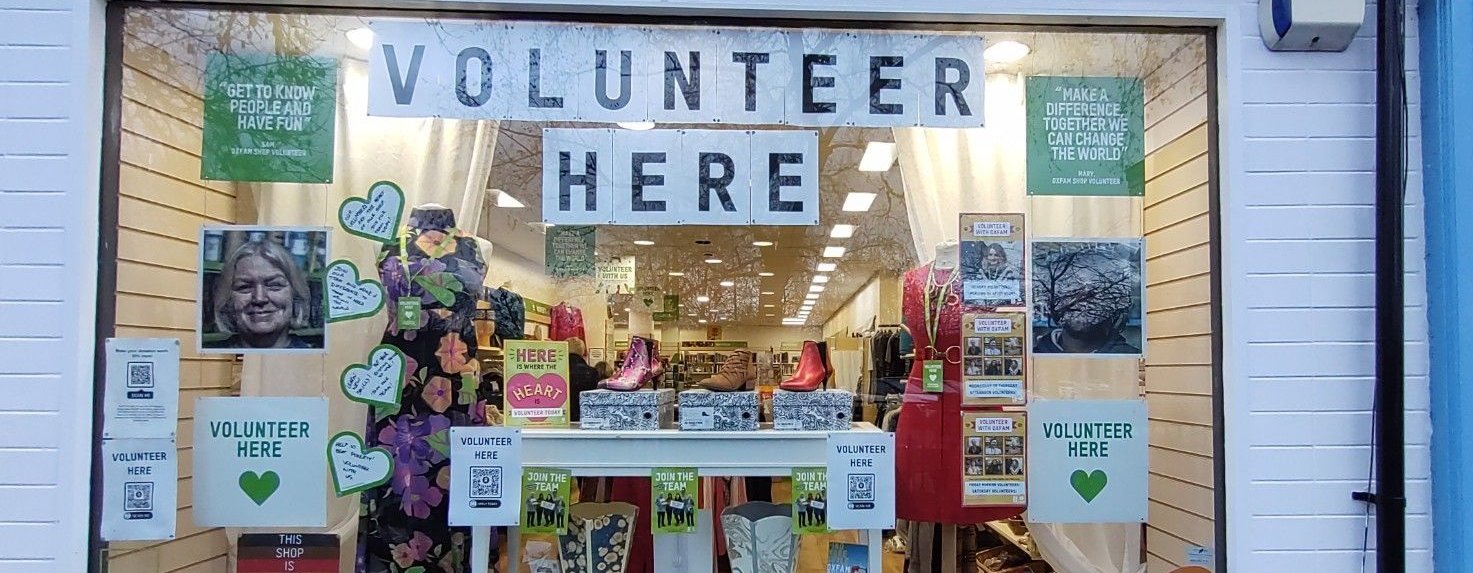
(1310, 25)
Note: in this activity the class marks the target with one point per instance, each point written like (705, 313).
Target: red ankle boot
(810, 373)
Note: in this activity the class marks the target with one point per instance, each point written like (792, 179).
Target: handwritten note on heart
(376, 383)
(348, 297)
(375, 218)
(354, 467)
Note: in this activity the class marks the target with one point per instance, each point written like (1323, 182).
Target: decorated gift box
(729, 411)
(829, 410)
(638, 410)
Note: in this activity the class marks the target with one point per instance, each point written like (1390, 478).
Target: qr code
(140, 375)
(485, 482)
(861, 487)
(138, 496)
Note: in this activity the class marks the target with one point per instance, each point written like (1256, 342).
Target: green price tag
(931, 375)
(810, 500)
(545, 500)
(674, 500)
(408, 317)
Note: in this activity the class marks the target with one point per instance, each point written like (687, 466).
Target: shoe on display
(736, 373)
(599, 537)
(635, 371)
(760, 537)
(811, 371)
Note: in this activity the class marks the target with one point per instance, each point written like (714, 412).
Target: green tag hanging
(409, 314)
(546, 497)
(931, 375)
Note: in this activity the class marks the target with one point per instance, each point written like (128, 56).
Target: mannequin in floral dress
(404, 522)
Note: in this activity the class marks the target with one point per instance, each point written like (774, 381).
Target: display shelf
(765, 452)
(1023, 541)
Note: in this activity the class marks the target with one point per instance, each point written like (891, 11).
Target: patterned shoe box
(829, 410)
(719, 411)
(638, 410)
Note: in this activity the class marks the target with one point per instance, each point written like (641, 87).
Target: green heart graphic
(259, 487)
(1089, 485)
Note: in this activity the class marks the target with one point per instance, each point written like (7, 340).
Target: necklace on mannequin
(937, 296)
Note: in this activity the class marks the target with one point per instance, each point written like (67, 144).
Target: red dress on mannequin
(928, 458)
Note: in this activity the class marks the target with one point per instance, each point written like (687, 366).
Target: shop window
(777, 218)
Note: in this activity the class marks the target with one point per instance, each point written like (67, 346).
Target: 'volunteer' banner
(544, 71)
(679, 177)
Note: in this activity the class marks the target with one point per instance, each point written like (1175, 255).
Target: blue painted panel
(1446, 30)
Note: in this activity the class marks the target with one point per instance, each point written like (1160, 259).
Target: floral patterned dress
(403, 527)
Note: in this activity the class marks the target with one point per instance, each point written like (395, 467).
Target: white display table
(613, 453)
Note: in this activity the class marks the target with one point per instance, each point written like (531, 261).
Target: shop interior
(889, 202)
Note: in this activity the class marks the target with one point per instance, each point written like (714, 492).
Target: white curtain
(433, 161)
(984, 170)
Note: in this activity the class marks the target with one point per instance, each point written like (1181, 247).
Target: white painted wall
(1297, 186)
(50, 125)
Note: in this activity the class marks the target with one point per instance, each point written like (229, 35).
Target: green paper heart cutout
(1089, 485)
(356, 204)
(350, 277)
(259, 487)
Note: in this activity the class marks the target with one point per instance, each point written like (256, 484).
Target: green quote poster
(675, 496)
(545, 500)
(570, 251)
(269, 118)
(1086, 136)
(810, 500)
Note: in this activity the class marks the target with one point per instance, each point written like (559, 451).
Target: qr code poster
(861, 485)
(142, 388)
(140, 497)
(485, 483)
(483, 460)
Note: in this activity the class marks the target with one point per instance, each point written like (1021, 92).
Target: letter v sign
(403, 84)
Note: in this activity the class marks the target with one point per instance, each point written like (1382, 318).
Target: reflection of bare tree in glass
(175, 46)
(1082, 286)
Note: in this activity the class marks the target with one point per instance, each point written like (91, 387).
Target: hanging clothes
(567, 322)
(928, 438)
(511, 313)
(403, 523)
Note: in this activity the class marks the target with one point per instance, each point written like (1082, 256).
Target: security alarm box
(1310, 25)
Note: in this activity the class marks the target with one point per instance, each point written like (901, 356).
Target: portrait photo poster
(261, 289)
(1088, 297)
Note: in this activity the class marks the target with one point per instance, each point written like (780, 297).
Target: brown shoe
(737, 373)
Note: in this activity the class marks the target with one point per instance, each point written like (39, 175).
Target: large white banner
(551, 71)
(679, 177)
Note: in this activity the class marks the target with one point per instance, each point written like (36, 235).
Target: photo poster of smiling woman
(261, 289)
(991, 257)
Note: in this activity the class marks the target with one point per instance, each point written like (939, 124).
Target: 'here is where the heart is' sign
(258, 462)
(1087, 460)
(536, 383)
